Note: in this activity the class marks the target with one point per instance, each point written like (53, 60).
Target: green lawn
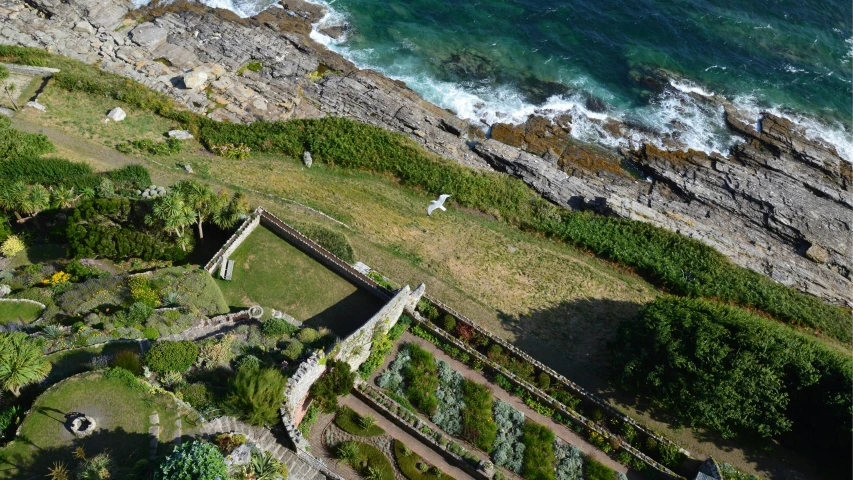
(411, 464)
(120, 412)
(24, 312)
(270, 272)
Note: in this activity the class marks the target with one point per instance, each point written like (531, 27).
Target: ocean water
(503, 60)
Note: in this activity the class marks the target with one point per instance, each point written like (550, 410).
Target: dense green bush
(308, 335)
(382, 344)
(115, 228)
(595, 470)
(277, 327)
(197, 395)
(169, 356)
(337, 381)
(293, 350)
(721, 367)
(256, 395)
(336, 243)
(193, 461)
(538, 463)
(421, 375)
(15, 144)
(478, 426)
(130, 177)
(49, 171)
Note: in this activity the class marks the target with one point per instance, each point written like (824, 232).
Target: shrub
(421, 376)
(151, 333)
(570, 461)
(293, 350)
(337, 381)
(727, 369)
(248, 361)
(214, 352)
(539, 458)
(15, 144)
(130, 177)
(12, 246)
(427, 309)
(595, 470)
(141, 291)
(449, 400)
(478, 426)
(115, 228)
(543, 381)
(227, 442)
(308, 336)
(128, 360)
(99, 467)
(448, 323)
(382, 344)
(193, 461)
(392, 378)
(139, 312)
(412, 465)
(256, 395)
(508, 450)
(50, 172)
(169, 356)
(197, 395)
(277, 327)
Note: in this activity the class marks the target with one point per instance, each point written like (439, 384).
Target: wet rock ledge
(778, 203)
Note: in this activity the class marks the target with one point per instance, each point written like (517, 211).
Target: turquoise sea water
(502, 60)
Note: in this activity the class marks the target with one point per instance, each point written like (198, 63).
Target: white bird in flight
(437, 204)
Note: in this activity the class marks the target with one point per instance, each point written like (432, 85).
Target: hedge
(421, 376)
(171, 356)
(538, 463)
(478, 426)
(722, 368)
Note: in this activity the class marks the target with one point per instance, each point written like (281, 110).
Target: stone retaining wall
(31, 71)
(238, 238)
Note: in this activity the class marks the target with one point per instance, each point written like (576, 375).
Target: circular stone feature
(256, 311)
(82, 425)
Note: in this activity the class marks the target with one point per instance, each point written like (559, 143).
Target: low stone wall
(31, 71)
(238, 238)
(24, 300)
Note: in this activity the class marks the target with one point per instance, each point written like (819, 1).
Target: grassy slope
(558, 303)
(18, 312)
(121, 415)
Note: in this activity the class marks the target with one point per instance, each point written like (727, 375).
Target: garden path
(562, 431)
(428, 454)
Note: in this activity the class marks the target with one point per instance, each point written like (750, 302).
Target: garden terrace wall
(236, 239)
(380, 402)
(541, 395)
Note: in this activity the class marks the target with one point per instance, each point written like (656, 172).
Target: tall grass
(679, 264)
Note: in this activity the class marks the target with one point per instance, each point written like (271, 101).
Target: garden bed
(546, 391)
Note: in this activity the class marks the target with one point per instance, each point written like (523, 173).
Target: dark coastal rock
(778, 203)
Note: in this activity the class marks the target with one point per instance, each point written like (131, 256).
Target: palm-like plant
(348, 452)
(174, 215)
(201, 199)
(230, 211)
(265, 467)
(58, 472)
(11, 195)
(36, 199)
(22, 362)
(87, 193)
(63, 197)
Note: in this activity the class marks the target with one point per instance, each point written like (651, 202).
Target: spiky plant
(348, 452)
(265, 467)
(58, 472)
(22, 362)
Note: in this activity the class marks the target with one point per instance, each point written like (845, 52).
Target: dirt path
(427, 453)
(562, 431)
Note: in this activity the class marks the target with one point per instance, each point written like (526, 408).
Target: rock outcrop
(779, 203)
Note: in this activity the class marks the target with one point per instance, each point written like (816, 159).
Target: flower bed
(413, 466)
(547, 392)
(347, 420)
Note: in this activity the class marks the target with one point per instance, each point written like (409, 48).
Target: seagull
(437, 204)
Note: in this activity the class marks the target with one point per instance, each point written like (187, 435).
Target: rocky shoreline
(778, 203)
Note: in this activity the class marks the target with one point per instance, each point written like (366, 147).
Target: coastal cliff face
(779, 203)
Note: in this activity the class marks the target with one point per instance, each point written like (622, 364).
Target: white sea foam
(675, 114)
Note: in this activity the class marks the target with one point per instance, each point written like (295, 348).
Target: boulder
(6, 111)
(188, 168)
(5, 290)
(180, 134)
(149, 35)
(195, 79)
(116, 115)
(35, 104)
(241, 455)
(84, 27)
(307, 160)
(818, 254)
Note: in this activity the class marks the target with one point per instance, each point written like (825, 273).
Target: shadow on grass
(25, 458)
(347, 315)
